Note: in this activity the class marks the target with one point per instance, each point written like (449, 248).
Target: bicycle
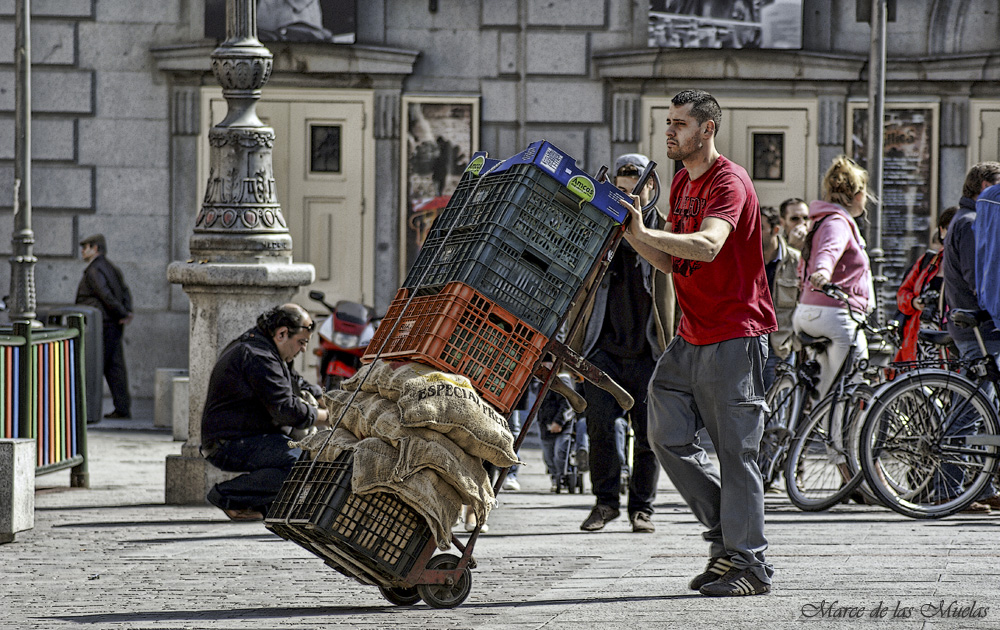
(822, 466)
(929, 445)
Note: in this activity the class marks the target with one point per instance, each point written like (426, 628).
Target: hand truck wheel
(400, 596)
(445, 595)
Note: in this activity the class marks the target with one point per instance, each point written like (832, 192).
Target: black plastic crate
(504, 269)
(365, 536)
(532, 204)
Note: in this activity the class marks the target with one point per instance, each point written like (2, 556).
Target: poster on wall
(441, 134)
(909, 184)
(725, 24)
(331, 21)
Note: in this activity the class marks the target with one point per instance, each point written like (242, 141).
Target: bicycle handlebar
(838, 293)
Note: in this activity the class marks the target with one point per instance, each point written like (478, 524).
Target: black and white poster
(908, 184)
(725, 24)
(330, 21)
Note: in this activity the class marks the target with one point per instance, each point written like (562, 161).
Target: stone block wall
(100, 151)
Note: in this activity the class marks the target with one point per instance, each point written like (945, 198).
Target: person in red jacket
(919, 298)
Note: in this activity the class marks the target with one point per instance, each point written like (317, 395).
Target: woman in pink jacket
(835, 252)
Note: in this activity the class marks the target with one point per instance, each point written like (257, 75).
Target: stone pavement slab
(113, 556)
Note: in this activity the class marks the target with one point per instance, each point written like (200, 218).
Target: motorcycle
(343, 338)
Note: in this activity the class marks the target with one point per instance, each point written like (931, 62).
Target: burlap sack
(373, 416)
(424, 490)
(429, 398)
(453, 408)
(327, 445)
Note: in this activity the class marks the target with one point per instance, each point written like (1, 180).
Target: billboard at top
(725, 24)
(327, 21)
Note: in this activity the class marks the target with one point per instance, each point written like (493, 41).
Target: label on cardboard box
(563, 169)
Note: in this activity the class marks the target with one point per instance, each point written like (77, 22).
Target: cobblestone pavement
(113, 556)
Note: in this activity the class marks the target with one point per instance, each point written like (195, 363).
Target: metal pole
(876, 130)
(22, 263)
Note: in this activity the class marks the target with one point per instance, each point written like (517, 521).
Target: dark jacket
(960, 270)
(253, 392)
(103, 287)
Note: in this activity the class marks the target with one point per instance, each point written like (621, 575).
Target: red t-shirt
(728, 297)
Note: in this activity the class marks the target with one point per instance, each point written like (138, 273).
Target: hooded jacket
(838, 249)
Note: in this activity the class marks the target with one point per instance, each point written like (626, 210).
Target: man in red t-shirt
(711, 374)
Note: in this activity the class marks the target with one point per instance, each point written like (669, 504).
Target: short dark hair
(772, 216)
(789, 202)
(98, 240)
(703, 106)
(988, 172)
(290, 316)
(944, 219)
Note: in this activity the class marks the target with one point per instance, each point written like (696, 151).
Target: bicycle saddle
(936, 337)
(967, 317)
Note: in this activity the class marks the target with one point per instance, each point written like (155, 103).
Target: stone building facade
(123, 96)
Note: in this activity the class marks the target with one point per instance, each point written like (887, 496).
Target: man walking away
(104, 288)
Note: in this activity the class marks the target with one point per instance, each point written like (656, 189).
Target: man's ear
(281, 333)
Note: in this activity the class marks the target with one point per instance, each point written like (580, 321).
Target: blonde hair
(843, 180)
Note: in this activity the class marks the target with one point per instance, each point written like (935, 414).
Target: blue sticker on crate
(559, 165)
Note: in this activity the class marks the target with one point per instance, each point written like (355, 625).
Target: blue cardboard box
(560, 166)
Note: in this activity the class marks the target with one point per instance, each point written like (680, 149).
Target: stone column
(241, 251)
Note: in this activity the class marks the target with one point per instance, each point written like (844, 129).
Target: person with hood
(625, 329)
(834, 252)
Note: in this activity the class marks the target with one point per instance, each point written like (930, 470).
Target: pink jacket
(839, 249)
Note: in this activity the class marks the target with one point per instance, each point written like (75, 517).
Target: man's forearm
(696, 246)
(660, 260)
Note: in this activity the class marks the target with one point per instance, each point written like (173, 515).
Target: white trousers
(835, 324)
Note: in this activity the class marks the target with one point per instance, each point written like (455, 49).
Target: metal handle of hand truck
(584, 368)
(576, 401)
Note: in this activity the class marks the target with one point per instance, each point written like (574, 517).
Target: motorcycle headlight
(346, 341)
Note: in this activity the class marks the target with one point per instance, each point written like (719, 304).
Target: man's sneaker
(642, 523)
(736, 583)
(511, 483)
(599, 517)
(716, 568)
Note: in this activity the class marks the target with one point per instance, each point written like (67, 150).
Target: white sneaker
(470, 522)
(510, 483)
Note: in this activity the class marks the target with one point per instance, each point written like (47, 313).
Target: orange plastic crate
(459, 331)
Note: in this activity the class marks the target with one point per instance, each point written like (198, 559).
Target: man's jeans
(266, 459)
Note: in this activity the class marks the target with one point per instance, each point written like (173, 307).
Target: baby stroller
(564, 442)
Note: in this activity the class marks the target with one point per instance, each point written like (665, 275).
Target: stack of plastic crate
(499, 270)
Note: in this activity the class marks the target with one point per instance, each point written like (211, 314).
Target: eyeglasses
(629, 170)
(311, 327)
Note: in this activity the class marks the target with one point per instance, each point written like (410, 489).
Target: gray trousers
(719, 387)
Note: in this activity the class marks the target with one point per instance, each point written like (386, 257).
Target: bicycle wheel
(930, 443)
(774, 442)
(865, 395)
(817, 473)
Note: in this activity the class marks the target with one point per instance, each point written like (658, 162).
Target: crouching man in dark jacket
(252, 394)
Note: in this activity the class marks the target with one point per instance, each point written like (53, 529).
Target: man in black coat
(103, 287)
(253, 394)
